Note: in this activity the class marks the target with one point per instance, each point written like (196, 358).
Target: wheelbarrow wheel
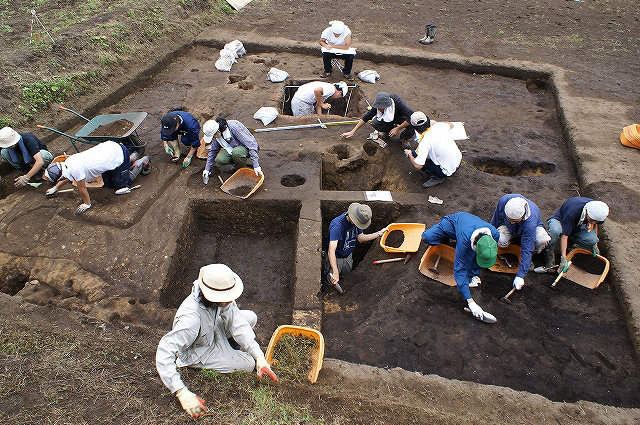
(136, 144)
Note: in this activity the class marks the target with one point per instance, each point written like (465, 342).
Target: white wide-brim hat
(8, 137)
(219, 284)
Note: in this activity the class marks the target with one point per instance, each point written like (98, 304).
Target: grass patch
(40, 94)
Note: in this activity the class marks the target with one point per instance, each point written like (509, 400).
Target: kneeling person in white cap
(344, 231)
(204, 324)
(230, 142)
(108, 159)
(517, 217)
(577, 218)
(437, 153)
(312, 97)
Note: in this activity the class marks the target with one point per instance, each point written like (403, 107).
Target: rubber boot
(549, 259)
(430, 34)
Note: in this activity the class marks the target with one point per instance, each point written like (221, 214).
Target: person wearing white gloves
(108, 159)
(205, 326)
(25, 152)
(476, 248)
(231, 142)
(517, 217)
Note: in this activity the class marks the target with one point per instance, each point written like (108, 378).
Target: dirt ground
(134, 257)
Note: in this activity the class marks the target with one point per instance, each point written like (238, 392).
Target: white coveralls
(199, 338)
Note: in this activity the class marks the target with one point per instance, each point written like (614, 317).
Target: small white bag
(236, 46)
(224, 64)
(277, 75)
(266, 114)
(369, 76)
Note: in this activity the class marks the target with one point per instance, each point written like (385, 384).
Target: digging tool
(65, 191)
(368, 105)
(220, 178)
(393, 260)
(295, 127)
(553, 285)
(127, 189)
(486, 317)
(34, 184)
(543, 269)
(434, 269)
(506, 299)
(503, 258)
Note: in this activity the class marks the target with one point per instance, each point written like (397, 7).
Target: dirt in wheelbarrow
(116, 129)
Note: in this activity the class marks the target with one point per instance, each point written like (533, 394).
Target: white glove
(475, 310)
(205, 176)
(518, 282)
(82, 208)
(262, 366)
(191, 403)
(21, 181)
(49, 193)
(258, 170)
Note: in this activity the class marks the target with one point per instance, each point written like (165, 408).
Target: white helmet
(342, 86)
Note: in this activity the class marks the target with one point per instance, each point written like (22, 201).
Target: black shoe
(433, 181)
(348, 77)
(325, 74)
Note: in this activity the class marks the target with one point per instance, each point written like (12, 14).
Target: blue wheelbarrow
(128, 136)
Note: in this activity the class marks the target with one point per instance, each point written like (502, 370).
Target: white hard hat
(597, 210)
(209, 129)
(515, 208)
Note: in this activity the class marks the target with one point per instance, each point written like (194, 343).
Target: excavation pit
(513, 169)
(256, 239)
(348, 106)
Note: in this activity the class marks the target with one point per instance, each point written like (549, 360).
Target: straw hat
(360, 215)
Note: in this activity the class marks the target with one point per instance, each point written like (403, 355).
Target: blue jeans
(581, 237)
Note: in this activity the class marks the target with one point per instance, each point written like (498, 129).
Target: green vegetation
(291, 356)
(40, 94)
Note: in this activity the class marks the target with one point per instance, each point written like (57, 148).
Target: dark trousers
(348, 62)
(119, 177)
(385, 127)
(430, 167)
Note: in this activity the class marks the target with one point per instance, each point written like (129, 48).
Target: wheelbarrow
(128, 137)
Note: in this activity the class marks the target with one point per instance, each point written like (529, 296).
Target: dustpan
(97, 182)
(512, 254)
(317, 354)
(445, 265)
(242, 183)
(412, 236)
(583, 277)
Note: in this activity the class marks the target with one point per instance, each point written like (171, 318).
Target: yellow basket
(447, 255)
(244, 177)
(412, 236)
(317, 354)
(501, 266)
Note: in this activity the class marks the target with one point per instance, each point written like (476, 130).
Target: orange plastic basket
(447, 256)
(242, 183)
(412, 236)
(583, 277)
(317, 354)
(512, 254)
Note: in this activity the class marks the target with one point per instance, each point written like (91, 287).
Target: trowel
(126, 189)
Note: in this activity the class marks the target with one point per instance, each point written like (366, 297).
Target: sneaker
(325, 74)
(348, 77)
(426, 40)
(433, 181)
(475, 281)
(338, 288)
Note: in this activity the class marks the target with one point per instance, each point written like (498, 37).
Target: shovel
(434, 269)
(553, 285)
(126, 189)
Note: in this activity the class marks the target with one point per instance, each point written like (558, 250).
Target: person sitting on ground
(25, 152)
(476, 248)
(337, 36)
(517, 217)
(230, 142)
(577, 218)
(344, 231)
(108, 159)
(210, 332)
(184, 125)
(389, 115)
(437, 153)
(312, 97)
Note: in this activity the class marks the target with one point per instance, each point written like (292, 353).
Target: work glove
(262, 366)
(563, 267)
(191, 403)
(518, 283)
(258, 170)
(168, 149)
(82, 208)
(382, 231)
(475, 310)
(594, 250)
(186, 162)
(49, 193)
(21, 181)
(205, 176)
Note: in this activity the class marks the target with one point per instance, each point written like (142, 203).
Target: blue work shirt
(188, 130)
(345, 233)
(526, 229)
(460, 226)
(569, 215)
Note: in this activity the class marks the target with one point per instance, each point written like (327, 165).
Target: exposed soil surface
(124, 266)
(116, 129)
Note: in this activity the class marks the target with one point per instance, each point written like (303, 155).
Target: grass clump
(292, 356)
(40, 94)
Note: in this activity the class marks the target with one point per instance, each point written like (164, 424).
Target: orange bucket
(630, 136)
